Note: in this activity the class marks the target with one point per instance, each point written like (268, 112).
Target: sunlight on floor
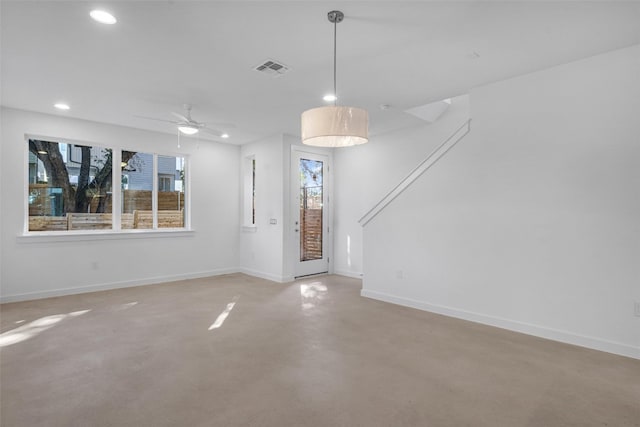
(223, 316)
(30, 330)
(312, 290)
(127, 305)
(311, 293)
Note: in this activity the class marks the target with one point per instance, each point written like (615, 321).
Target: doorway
(310, 187)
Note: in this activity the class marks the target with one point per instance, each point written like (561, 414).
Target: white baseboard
(267, 276)
(512, 325)
(346, 273)
(113, 285)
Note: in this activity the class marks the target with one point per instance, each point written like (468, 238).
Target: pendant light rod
(335, 62)
(335, 16)
(334, 126)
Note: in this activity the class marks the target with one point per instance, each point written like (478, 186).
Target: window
(69, 187)
(72, 187)
(164, 183)
(170, 192)
(253, 191)
(137, 199)
(249, 193)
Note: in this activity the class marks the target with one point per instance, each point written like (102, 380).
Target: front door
(311, 226)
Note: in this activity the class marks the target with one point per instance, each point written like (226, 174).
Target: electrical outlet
(636, 307)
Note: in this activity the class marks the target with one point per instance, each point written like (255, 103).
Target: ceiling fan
(189, 126)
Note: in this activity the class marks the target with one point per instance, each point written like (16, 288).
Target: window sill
(249, 228)
(74, 236)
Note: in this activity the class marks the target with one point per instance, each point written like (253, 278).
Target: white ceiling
(163, 54)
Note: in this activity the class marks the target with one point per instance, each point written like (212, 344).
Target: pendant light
(335, 126)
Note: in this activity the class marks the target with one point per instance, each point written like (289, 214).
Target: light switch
(273, 221)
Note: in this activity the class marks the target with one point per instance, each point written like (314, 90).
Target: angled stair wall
(417, 172)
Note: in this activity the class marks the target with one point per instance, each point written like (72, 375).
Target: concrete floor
(239, 351)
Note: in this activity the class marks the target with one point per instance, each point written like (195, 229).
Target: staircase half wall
(532, 222)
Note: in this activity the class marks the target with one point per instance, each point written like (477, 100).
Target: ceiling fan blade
(222, 125)
(182, 118)
(213, 132)
(158, 120)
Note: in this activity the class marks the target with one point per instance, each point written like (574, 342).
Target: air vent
(272, 68)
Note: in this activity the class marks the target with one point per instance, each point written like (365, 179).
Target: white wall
(33, 268)
(261, 248)
(532, 222)
(365, 173)
(270, 250)
(290, 238)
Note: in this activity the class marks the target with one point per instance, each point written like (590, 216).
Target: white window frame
(116, 232)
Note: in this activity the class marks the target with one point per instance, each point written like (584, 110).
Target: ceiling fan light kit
(188, 126)
(188, 130)
(335, 126)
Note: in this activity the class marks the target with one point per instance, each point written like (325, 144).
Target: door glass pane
(310, 209)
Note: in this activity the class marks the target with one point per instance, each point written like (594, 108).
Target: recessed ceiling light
(224, 135)
(329, 97)
(188, 130)
(103, 17)
(61, 106)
